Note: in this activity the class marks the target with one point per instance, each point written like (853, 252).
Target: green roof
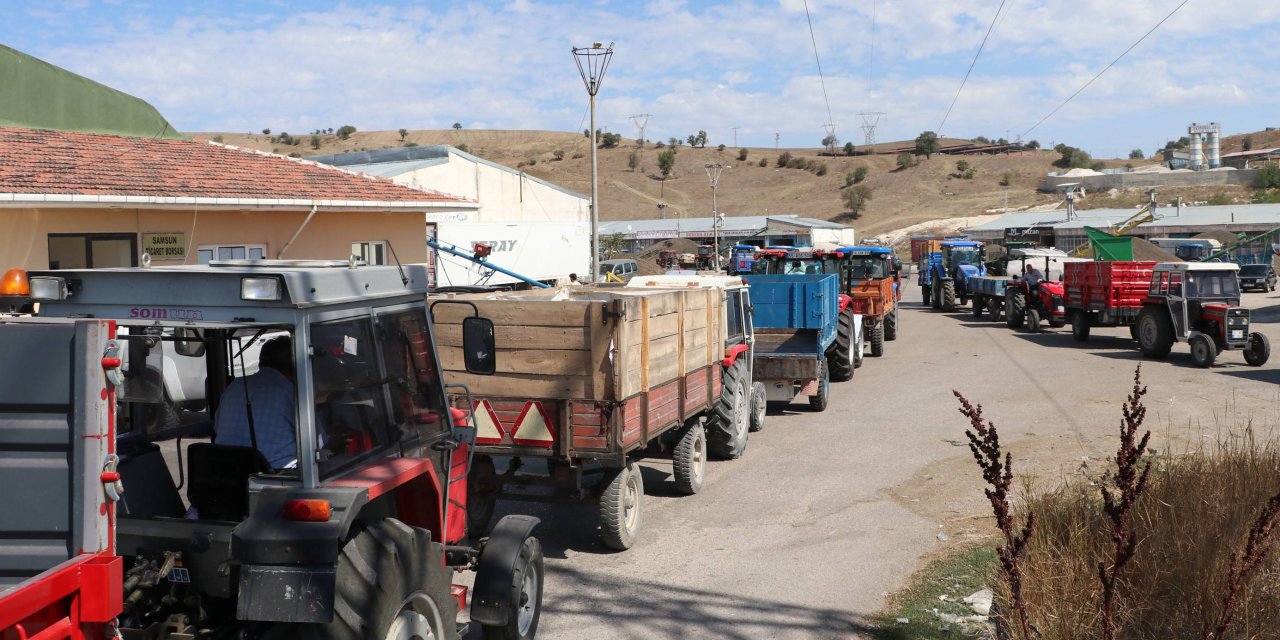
(38, 95)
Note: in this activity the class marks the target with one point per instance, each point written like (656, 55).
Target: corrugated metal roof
(1239, 214)
(735, 223)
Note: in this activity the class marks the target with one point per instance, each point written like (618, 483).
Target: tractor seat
(219, 484)
(149, 488)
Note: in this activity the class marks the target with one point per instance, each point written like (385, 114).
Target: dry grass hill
(900, 198)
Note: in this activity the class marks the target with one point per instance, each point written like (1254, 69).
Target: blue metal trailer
(795, 318)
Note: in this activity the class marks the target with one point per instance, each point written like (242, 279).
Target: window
(92, 250)
(733, 316)
(373, 252)
(210, 252)
(417, 401)
(351, 407)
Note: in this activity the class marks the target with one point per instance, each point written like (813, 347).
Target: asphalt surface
(829, 513)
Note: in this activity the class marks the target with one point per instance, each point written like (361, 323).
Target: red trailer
(1105, 294)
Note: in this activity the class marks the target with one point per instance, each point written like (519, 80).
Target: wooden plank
(601, 336)
(562, 338)
(644, 344)
(539, 361)
(543, 313)
(524, 385)
(663, 326)
(695, 299)
(695, 321)
(664, 361)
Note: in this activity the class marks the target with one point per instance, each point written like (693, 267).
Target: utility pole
(592, 63)
(713, 171)
(641, 120)
(735, 136)
(776, 137)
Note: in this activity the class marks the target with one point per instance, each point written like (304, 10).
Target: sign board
(165, 246)
(1212, 127)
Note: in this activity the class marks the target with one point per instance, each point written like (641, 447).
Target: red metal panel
(632, 421)
(588, 427)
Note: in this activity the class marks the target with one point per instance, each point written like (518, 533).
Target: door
(1177, 304)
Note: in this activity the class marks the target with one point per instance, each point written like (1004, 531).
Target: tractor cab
(779, 260)
(741, 258)
(268, 415)
(1199, 303)
(957, 254)
(872, 263)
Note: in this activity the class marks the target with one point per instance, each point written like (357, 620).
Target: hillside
(900, 199)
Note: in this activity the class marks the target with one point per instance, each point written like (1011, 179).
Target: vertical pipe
(595, 205)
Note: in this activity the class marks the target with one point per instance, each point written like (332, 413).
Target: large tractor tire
(622, 508)
(1015, 310)
(1203, 351)
(730, 420)
(1258, 351)
(979, 304)
(526, 597)
(891, 325)
(481, 498)
(994, 308)
(840, 355)
(936, 291)
(390, 584)
(689, 459)
(926, 296)
(818, 401)
(877, 340)
(1081, 323)
(1033, 320)
(1155, 332)
(949, 295)
(759, 406)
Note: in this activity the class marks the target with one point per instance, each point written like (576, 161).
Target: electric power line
(1104, 69)
(821, 80)
(971, 65)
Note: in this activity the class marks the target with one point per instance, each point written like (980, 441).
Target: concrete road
(828, 513)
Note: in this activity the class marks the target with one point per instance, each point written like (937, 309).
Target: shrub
(1268, 176)
(315, 142)
(345, 131)
(906, 161)
(633, 160)
(784, 159)
(295, 154)
(720, 147)
(764, 162)
(848, 148)
(659, 144)
(855, 199)
(531, 161)
(1246, 143)
(742, 155)
(410, 144)
(1097, 165)
(558, 154)
(860, 173)
(463, 148)
(1006, 178)
(797, 163)
(577, 155)
(404, 133)
(964, 170)
(266, 132)
(822, 169)
(1136, 154)
(217, 139)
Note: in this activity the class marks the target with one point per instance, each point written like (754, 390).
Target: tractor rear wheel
(759, 406)
(390, 584)
(979, 303)
(622, 507)
(1203, 351)
(936, 290)
(818, 401)
(1258, 351)
(1033, 321)
(840, 355)
(949, 295)
(1080, 325)
(925, 295)
(729, 421)
(1015, 310)
(994, 308)
(877, 340)
(689, 459)
(481, 498)
(891, 325)
(1155, 332)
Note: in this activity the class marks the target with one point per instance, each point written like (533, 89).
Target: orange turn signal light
(14, 283)
(307, 510)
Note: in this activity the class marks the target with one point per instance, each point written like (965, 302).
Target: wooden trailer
(588, 380)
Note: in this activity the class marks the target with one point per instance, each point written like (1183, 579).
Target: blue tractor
(945, 271)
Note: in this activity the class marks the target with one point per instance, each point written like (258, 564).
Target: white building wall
(504, 196)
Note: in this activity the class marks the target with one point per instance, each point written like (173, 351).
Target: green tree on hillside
(266, 132)
(742, 155)
(855, 198)
(633, 160)
(1073, 158)
(667, 162)
(1137, 154)
(848, 148)
(345, 131)
(457, 125)
(830, 142)
(927, 144)
(404, 133)
(1033, 145)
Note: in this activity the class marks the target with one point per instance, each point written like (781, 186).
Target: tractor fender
(731, 354)
(491, 595)
(845, 301)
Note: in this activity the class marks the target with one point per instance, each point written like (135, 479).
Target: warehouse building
(1052, 228)
(790, 230)
(533, 227)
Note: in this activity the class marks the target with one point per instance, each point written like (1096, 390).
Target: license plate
(1237, 334)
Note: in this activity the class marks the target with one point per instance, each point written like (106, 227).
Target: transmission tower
(776, 138)
(641, 120)
(869, 121)
(830, 128)
(735, 136)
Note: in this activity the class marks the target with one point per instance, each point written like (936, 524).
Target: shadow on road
(1254, 373)
(1061, 340)
(636, 608)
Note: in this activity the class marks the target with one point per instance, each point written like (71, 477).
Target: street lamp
(592, 62)
(713, 171)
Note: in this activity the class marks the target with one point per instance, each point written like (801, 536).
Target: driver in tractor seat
(269, 395)
(1032, 276)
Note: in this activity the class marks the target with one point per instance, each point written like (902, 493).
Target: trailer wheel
(1033, 321)
(1015, 310)
(481, 500)
(891, 325)
(818, 401)
(1155, 332)
(841, 353)
(689, 459)
(1258, 351)
(1080, 325)
(390, 584)
(729, 423)
(526, 596)
(979, 303)
(759, 406)
(621, 508)
(948, 295)
(1203, 351)
(877, 340)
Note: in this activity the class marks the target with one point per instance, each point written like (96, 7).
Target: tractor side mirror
(478, 346)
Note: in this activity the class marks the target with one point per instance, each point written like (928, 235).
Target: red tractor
(1198, 302)
(667, 259)
(706, 257)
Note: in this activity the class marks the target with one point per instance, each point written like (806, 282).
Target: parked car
(1258, 276)
(623, 270)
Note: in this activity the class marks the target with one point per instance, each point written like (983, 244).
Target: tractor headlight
(253, 288)
(48, 288)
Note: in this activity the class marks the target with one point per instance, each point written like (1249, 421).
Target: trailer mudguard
(491, 594)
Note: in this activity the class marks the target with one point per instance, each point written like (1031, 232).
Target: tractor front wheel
(482, 498)
(877, 340)
(1258, 351)
(1203, 351)
(979, 303)
(1033, 321)
(949, 295)
(818, 401)
(1015, 310)
(759, 406)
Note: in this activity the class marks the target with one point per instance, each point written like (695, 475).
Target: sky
(240, 65)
